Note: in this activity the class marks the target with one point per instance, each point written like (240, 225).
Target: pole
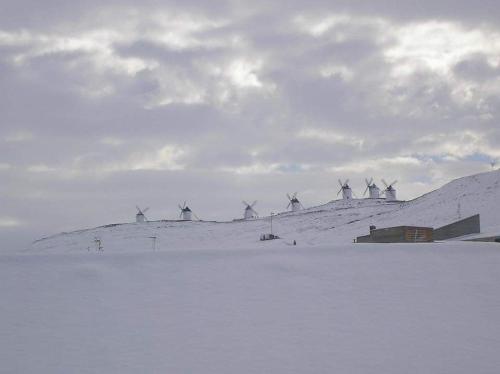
(272, 223)
(153, 244)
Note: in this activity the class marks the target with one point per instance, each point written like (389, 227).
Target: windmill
(390, 192)
(345, 189)
(294, 202)
(140, 217)
(249, 211)
(186, 214)
(372, 188)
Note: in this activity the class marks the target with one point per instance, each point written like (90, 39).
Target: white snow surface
(335, 222)
(214, 299)
(374, 308)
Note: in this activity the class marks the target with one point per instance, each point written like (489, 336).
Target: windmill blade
(294, 195)
(340, 183)
(288, 196)
(138, 209)
(195, 216)
(180, 207)
(145, 210)
(180, 214)
(253, 204)
(302, 206)
(338, 193)
(346, 182)
(385, 183)
(288, 206)
(393, 183)
(367, 187)
(245, 203)
(255, 212)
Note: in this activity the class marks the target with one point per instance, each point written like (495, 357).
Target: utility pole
(98, 245)
(154, 242)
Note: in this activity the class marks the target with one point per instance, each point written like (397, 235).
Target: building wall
(419, 234)
(399, 234)
(495, 239)
(389, 235)
(470, 225)
(364, 239)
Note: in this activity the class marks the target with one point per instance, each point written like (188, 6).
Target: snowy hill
(335, 222)
(214, 299)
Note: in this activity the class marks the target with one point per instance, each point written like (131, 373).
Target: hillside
(212, 298)
(334, 222)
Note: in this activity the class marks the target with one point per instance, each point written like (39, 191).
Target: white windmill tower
(249, 211)
(345, 189)
(186, 214)
(390, 192)
(374, 191)
(140, 217)
(294, 203)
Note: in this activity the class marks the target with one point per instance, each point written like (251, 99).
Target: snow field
(428, 308)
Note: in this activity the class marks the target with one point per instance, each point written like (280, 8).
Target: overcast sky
(107, 106)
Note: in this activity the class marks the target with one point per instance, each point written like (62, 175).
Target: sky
(109, 105)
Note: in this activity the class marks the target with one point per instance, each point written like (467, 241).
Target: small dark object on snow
(269, 237)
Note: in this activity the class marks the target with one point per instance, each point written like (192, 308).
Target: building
(415, 234)
(398, 234)
(467, 226)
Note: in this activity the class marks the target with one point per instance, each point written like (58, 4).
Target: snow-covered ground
(429, 308)
(212, 298)
(335, 222)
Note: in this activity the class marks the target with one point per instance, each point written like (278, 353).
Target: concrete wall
(470, 225)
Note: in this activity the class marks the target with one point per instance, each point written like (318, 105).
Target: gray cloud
(108, 106)
(476, 68)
